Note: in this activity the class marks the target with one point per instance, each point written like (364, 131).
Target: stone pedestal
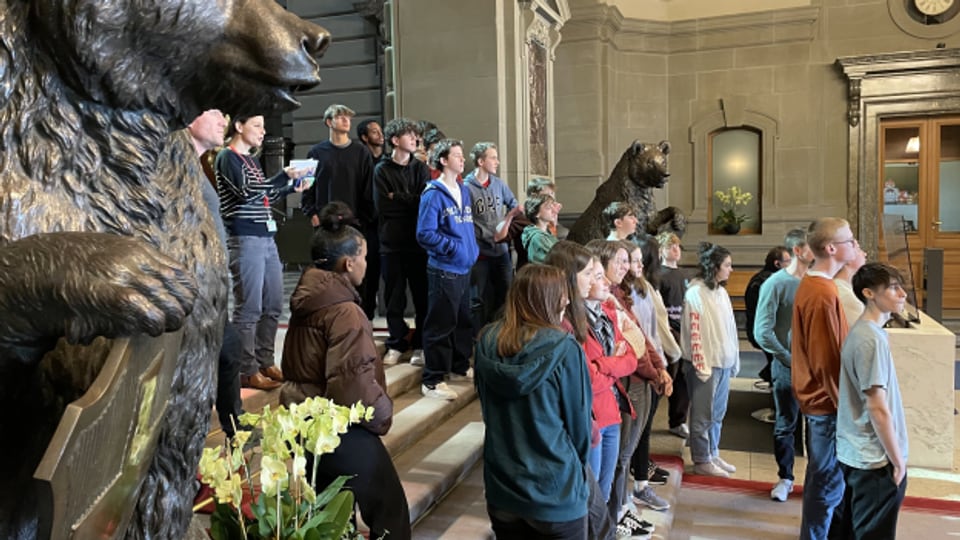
(924, 357)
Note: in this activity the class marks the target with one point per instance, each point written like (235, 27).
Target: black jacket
(398, 215)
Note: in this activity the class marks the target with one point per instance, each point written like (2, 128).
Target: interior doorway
(919, 179)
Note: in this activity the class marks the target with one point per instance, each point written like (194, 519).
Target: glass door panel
(949, 180)
(901, 186)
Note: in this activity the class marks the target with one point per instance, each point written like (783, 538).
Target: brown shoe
(258, 381)
(273, 372)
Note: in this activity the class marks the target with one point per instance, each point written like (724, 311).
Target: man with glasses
(819, 329)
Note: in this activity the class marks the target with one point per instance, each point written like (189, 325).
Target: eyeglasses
(852, 242)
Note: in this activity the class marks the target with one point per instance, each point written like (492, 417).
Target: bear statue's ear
(664, 147)
(636, 147)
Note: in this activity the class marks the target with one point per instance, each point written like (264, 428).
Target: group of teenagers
(571, 352)
(820, 318)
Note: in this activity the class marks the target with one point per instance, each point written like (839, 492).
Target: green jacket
(536, 406)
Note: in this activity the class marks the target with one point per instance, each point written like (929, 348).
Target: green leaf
(330, 491)
(334, 517)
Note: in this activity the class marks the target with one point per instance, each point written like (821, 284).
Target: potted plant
(287, 508)
(729, 220)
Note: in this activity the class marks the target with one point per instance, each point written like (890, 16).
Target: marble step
(401, 378)
(461, 515)
(440, 459)
(416, 416)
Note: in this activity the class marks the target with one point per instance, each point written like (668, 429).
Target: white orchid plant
(288, 507)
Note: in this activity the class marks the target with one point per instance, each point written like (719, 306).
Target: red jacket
(605, 373)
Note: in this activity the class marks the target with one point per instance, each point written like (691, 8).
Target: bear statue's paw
(84, 285)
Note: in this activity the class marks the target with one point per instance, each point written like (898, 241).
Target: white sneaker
(719, 462)
(681, 431)
(416, 359)
(456, 377)
(392, 357)
(440, 391)
(780, 491)
(710, 469)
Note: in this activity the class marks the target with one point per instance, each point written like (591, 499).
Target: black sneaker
(659, 477)
(629, 528)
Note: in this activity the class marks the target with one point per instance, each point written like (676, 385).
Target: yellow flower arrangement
(729, 201)
(288, 508)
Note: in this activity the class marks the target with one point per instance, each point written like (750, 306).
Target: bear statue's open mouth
(286, 95)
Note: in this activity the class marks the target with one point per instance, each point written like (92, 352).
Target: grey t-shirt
(865, 362)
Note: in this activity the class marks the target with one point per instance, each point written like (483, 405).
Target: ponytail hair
(336, 238)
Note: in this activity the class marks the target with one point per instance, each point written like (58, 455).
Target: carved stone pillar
(541, 21)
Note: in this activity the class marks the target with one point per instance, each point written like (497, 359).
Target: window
(735, 168)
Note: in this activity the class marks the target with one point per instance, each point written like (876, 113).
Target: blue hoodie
(536, 406)
(445, 231)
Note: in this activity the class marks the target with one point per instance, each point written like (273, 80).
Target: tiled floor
(761, 467)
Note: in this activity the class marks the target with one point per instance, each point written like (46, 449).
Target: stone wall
(621, 79)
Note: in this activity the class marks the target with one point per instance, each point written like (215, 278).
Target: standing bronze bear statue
(641, 169)
(103, 229)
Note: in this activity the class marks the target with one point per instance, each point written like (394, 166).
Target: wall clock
(933, 7)
(927, 19)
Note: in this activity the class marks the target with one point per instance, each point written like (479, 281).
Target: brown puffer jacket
(329, 349)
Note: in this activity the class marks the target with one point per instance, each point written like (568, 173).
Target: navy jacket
(445, 229)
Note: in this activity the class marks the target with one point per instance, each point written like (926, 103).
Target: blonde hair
(822, 232)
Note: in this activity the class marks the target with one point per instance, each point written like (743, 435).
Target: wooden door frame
(884, 86)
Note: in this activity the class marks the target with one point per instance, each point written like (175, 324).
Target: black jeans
(489, 281)
(679, 400)
(375, 484)
(513, 526)
(228, 379)
(447, 330)
(873, 502)
(401, 270)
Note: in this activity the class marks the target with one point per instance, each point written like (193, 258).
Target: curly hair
(709, 258)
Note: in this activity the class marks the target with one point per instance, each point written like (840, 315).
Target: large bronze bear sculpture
(103, 228)
(641, 169)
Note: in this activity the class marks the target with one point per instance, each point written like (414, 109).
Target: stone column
(481, 71)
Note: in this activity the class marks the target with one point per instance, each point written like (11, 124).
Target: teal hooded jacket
(536, 407)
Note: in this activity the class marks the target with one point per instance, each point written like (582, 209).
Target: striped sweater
(246, 193)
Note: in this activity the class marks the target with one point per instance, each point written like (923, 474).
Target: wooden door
(920, 181)
(943, 201)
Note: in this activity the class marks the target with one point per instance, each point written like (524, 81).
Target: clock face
(933, 7)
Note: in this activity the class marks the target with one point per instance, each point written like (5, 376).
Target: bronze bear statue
(104, 232)
(641, 169)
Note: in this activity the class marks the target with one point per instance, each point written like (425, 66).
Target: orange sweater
(819, 328)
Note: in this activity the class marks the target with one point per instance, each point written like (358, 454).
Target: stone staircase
(437, 449)
(435, 444)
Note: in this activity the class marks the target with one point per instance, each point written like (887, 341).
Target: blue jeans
(708, 407)
(823, 513)
(786, 428)
(258, 298)
(447, 328)
(603, 458)
(489, 280)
